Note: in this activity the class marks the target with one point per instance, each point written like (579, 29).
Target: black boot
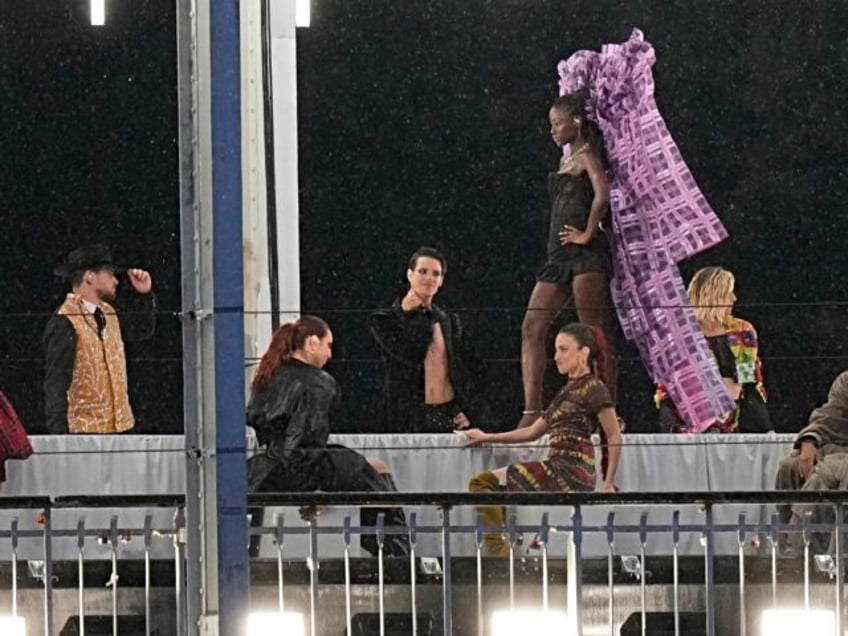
(393, 544)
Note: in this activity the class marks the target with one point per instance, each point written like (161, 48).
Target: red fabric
(14, 442)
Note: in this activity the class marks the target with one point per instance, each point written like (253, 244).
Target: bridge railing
(312, 572)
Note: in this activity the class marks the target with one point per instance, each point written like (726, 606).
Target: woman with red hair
(291, 405)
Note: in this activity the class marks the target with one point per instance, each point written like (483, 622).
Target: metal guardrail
(576, 530)
(113, 534)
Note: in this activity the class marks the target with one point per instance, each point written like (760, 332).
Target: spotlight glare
(12, 626)
(288, 623)
(507, 623)
(98, 12)
(780, 622)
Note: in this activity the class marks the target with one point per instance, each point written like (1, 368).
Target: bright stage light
(98, 12)
(12, 626)
(302, 13)
(780, 622)
(263, 623)
(508, 623)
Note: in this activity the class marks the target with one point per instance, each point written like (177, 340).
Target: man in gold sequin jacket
(85, 380)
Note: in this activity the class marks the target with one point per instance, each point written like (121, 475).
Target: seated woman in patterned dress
(582, 407)
(735, 350)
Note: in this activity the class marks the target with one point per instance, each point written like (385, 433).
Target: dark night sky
(425, 122)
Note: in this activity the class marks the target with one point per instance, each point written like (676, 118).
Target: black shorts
(562, 272)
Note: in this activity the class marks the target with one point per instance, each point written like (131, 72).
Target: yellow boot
(494, 544)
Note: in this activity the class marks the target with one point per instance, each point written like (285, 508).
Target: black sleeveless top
(571, 200)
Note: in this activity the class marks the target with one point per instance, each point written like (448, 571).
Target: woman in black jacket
(291, 403)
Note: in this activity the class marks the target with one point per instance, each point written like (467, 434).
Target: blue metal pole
(228, 294)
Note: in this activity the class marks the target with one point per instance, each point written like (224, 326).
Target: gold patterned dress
(572, 419)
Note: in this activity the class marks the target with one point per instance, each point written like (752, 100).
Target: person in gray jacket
(819, 459)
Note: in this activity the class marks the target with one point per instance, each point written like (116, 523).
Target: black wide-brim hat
(88, 257)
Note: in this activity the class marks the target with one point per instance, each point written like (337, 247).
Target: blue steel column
(228, 285)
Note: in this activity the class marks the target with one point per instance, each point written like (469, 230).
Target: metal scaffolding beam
(213, 316)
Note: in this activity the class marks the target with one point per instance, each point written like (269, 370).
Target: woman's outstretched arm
(527, 434)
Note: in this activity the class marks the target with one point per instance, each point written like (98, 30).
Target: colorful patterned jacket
(742, 340)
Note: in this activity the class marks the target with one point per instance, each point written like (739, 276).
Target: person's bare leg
(593, 302)
(546, 301)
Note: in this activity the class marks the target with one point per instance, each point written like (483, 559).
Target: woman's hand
(733, 388)
(608, 487)
(475, 437)
(569, 234)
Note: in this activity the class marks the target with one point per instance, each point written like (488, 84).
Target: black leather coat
(291, 415)
(403, 338)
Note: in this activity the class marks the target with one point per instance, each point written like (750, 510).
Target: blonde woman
(735, 350)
